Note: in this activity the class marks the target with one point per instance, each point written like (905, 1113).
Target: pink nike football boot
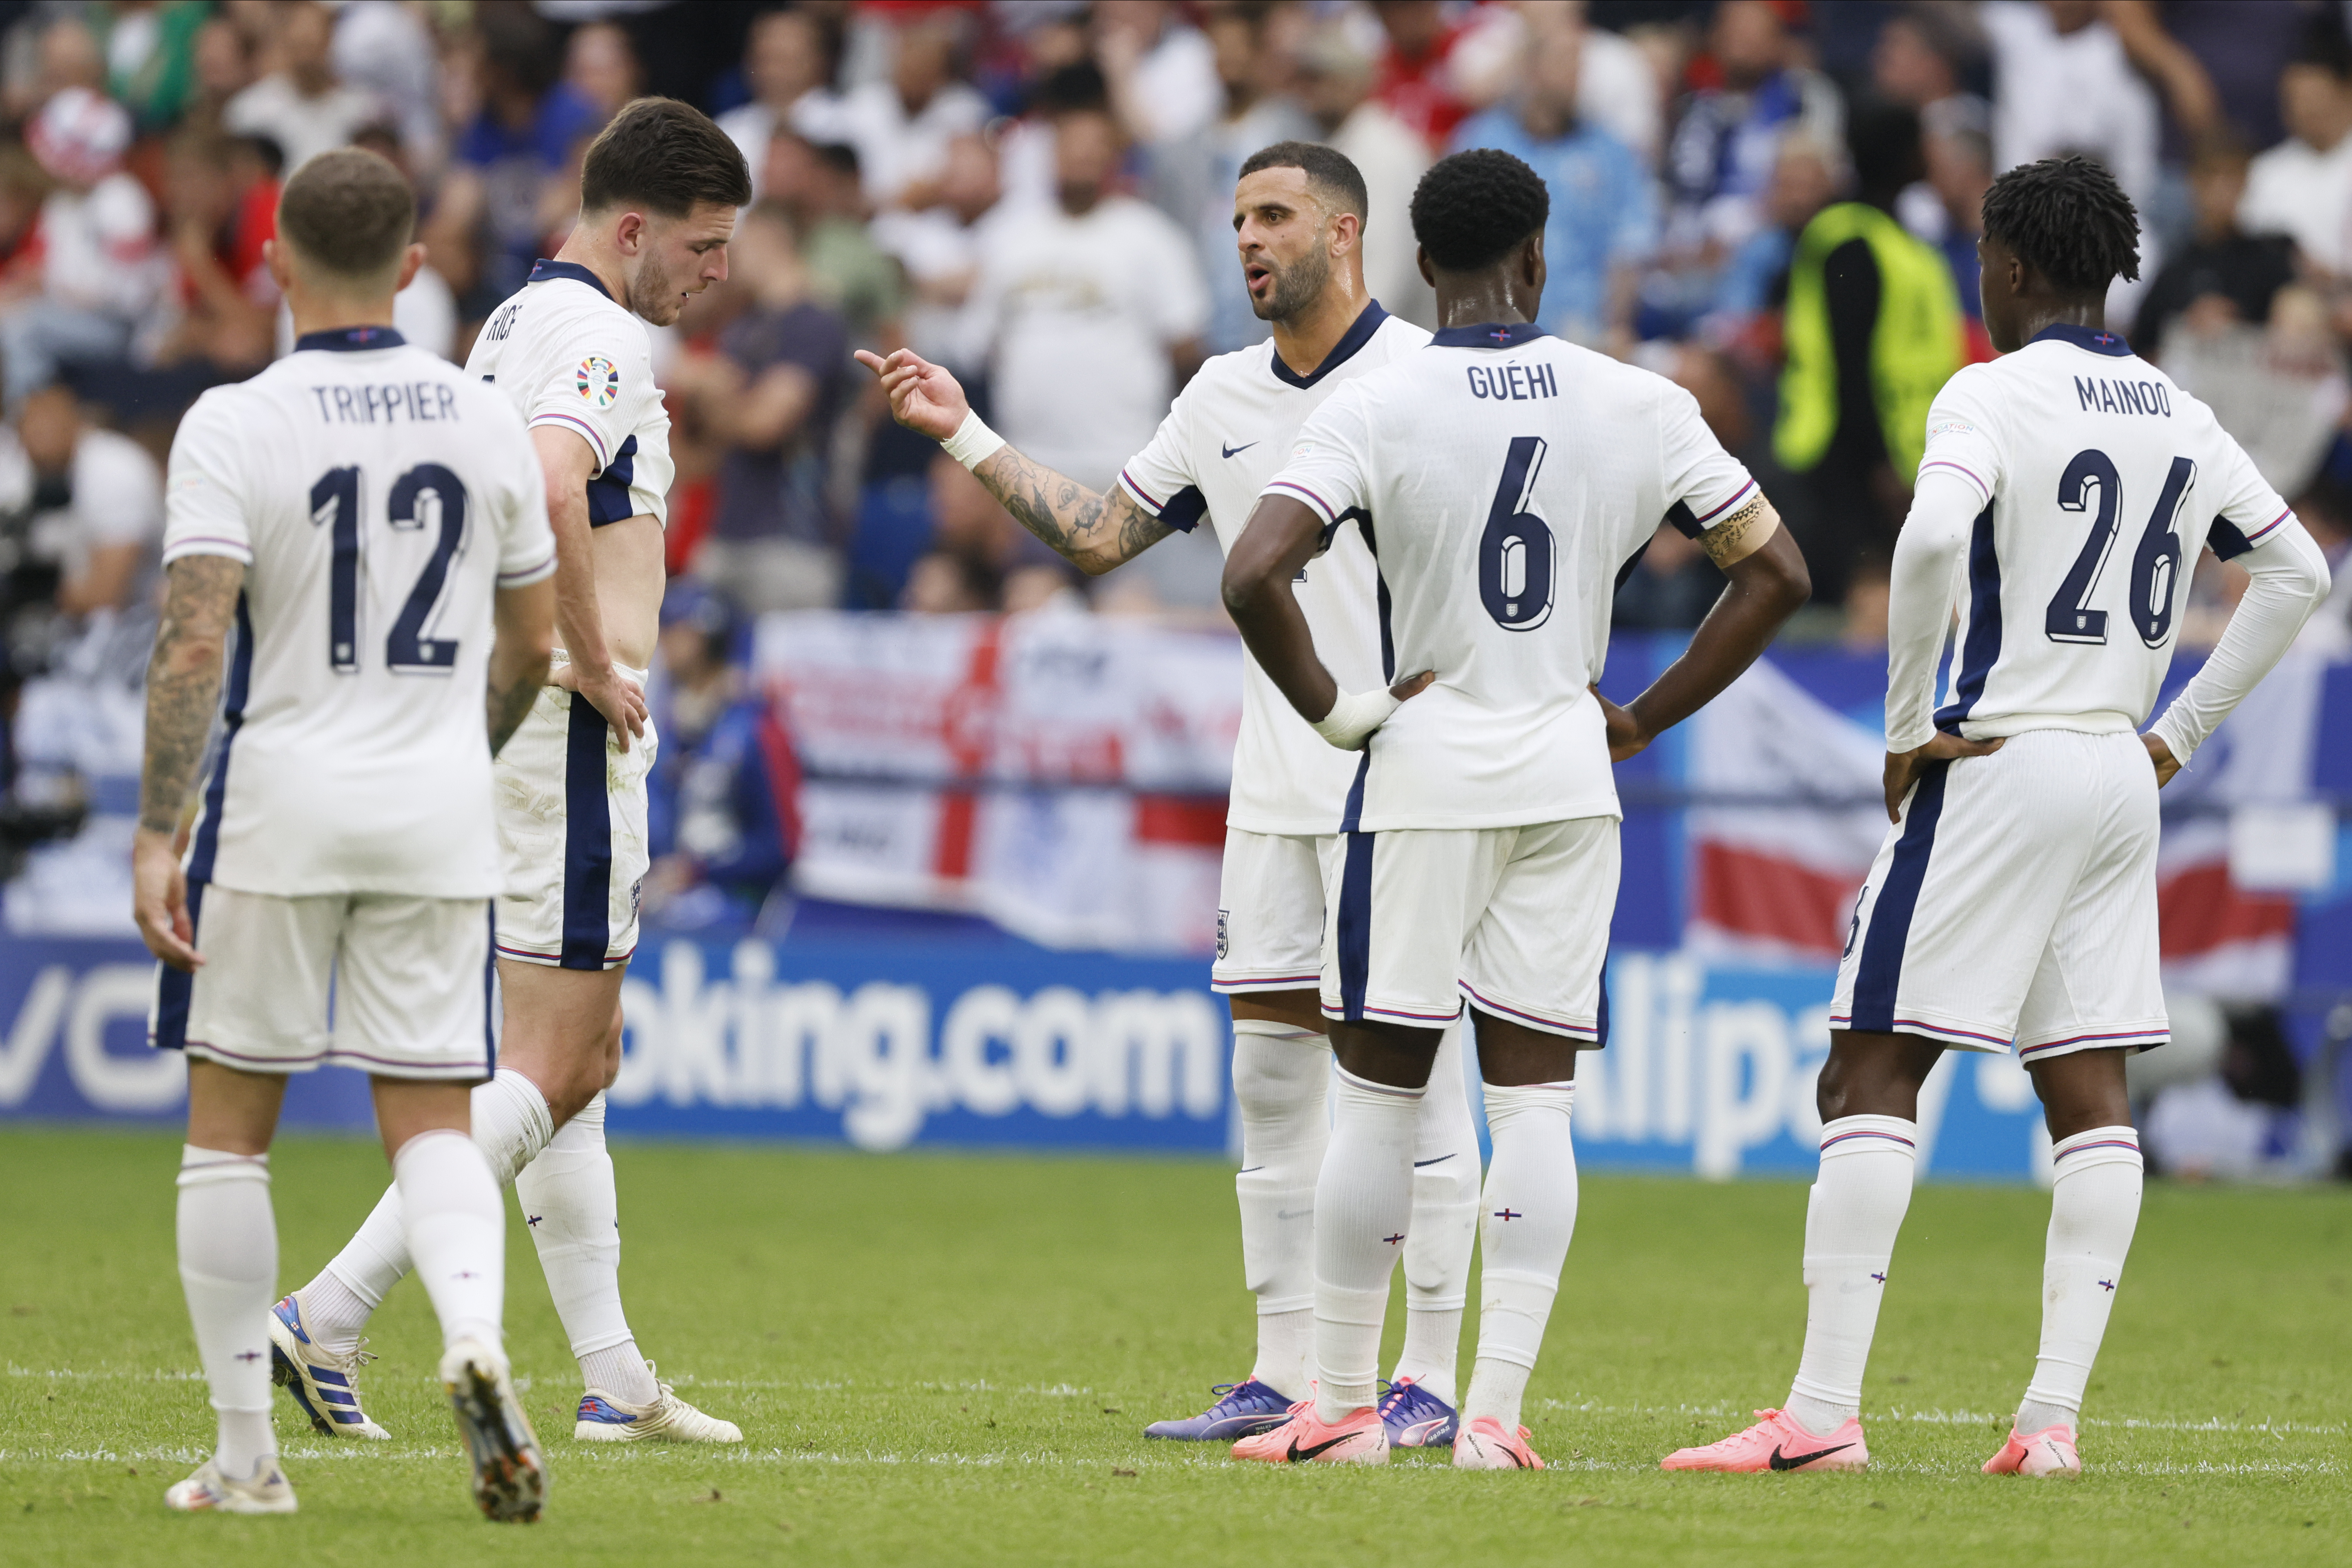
(1776, 1443)
(1359, 1437)
(2049, 1452)
(1483, 1445)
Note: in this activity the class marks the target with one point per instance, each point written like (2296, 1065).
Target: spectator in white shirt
(1335, 72)
(788, 63)
(302, 107)
(2064, 84)
(940, 248)
(2303, 187)
(101, 271)
(1163, 73)
(901, 127)
(92, 500)
(1096, 307)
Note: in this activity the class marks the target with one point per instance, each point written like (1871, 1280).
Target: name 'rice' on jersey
(378, 498)
(1227, 432)
(2101, 480)
(1506, 479)
(566, 354)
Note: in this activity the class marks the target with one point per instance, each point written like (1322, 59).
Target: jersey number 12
(427, 495)
(2156, 565)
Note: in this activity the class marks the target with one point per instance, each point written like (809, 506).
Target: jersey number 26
(426, 496)
(2156, 565)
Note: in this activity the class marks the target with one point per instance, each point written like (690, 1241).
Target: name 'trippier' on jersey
(378, 498)
(1504, 478)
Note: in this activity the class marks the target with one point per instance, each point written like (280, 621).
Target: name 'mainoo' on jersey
(2100, 395)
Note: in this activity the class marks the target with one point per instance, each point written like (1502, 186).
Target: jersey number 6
(427, 495)
(2156, 565)
(1516, 568)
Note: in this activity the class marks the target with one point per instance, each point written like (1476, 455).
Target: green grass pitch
(946, 1360)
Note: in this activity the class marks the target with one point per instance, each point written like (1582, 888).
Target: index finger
(869, 359)
(1412, 686)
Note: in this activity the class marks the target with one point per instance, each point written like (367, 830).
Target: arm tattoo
(1095, 533)
(1729, 541)
(183, 679)
(505, 708)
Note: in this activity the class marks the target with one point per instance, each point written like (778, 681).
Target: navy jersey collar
(2092, 338)
(350, 339)
(543, 269)
(1489, 335)
(1358, 334)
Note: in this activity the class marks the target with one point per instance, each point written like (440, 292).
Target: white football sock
(510, 1123)
(457, 1232)
(228, 1268)
(1281, 1075)
(1527, 1218)
(573, 1210)
(1363, 1203)
(2093, 1209)
(1444, 1225)
(1851, 1218)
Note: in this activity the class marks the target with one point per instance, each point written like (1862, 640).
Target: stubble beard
(652, 296)
(1296, 287)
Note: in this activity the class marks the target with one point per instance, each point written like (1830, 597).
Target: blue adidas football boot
(1243, 1409)
(1415, 1417)
(325, 1385)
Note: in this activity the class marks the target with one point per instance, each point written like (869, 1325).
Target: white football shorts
(572, 835)
(410, 977)
(1270, 912)
(1515, 919)
(2014, 905)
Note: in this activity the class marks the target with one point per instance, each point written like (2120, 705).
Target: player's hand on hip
(1903, 768)
(159, 899)
(620, 700)
(2158, 752)
(923, 397)
(1624, 731)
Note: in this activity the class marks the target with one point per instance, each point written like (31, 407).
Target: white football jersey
(1505, 478)
(564, 354)
(378, 497)
(1226, 435)
(2101, 480)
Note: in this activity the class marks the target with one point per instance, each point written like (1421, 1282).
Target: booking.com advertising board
(887, 1046)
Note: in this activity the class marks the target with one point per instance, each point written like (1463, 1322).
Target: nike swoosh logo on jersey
(1298, 1454)
(1792, 1461)
(1234, 451)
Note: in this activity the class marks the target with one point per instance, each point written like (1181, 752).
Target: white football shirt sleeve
(1330, 467)
(2250, 511)
(599, 393)
(1705, 485)
(1960, 436)
(526, 543)
(1944, 509)
(205, 501)
(1159, 479)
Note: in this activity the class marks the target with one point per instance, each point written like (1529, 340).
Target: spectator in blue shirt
(1604, 214)
(723, 812)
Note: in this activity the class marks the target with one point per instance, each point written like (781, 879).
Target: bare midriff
(630, 575)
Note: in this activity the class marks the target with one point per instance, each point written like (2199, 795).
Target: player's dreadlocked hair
(2068, 220)
(1470, 209)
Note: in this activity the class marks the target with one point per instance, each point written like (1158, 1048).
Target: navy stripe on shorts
(1879, 973)
(587, 841)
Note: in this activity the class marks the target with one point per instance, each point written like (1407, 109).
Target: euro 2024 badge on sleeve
(598, 380)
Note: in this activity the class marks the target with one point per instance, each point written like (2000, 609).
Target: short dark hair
(663, 156)
(2325, 43)
(2068, 220)
(1470, 209)
(1330, 174)
(348, 212)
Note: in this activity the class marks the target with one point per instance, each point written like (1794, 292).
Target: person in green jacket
(1872, 331)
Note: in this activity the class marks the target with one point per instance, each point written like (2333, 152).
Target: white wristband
(1354, 717)
(974, 442)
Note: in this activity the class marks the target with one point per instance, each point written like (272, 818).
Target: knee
(611, 1060)
(1833, 1090)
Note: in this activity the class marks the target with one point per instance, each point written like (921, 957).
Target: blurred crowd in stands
(1773, 202)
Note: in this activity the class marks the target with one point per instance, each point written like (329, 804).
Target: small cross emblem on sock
(2107, 1285)
(248, 1355)
(1392, 1240)
(467, 1274)
(1880, 1278)
(533, 1219)
(1508, 1214)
